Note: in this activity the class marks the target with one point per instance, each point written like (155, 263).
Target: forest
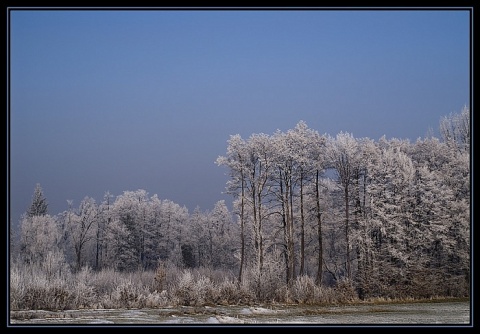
(315, 219)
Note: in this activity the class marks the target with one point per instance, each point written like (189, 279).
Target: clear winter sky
(125, 100)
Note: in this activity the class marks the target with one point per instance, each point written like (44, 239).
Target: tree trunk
(291, 244)
(302, 226)
(346, 233)
(242, 232)
(319, 224)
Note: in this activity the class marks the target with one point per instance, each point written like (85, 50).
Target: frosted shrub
(157, 299)
(143, 279)
(190, 291)
(283, 295)
(217, 276)
(345, 291)
(205, 291)
(45, 294)
(458, 287)
(60, 296)
(127, 295)
(250, 283)
(160, 278)
(303, 289)
(323, 295)
(119, 289)
(230, 292)
(172, 273)
(185, 289)
(202, 272)
(265, 283)
(83, 290)
(55, 266)
(17, 288)
(222, 275)
(246, 294)
(33, 289)
(105, 281)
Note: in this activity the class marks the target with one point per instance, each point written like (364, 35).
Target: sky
(121, 100)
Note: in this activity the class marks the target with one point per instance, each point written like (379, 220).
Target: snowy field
(452, 313)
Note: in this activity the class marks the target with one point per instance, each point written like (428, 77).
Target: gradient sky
(124, 100)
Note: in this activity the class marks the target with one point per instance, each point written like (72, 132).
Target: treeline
(390, 216)
(386, 218)
(133, 232)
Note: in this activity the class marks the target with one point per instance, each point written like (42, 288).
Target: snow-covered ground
(452, 313)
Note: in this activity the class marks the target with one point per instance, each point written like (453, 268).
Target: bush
(31, 289)
(83, 291)
(184, 291)
(323, 295)
(157, 299)
(47, 295)
(303, 290)
(230, 292)
(105, 281)
(265, 284)
(17, 288)
(127, 295)
(160, 278)
(194, 292)
(345, 291)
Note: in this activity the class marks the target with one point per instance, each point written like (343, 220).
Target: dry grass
(32, 289)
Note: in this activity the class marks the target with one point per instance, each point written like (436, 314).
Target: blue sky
(124, 100)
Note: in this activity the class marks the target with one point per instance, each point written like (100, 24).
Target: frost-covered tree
(13, 244)
(385, 255)
(236, 160)
(40, 245)
(103, 222)
(200, 240)
(455, 129)
(250, 163)
(310, 155)
(284, 192)
(442, 198)
(81, 228)
(152, 232)
(343, 156)
(174, 229)
(39, 206)
(308, 150)
(212, 237)
(403, 208)
(222, 234)
(120, 254)
(321, 210)
(129, 221)
(257, 176)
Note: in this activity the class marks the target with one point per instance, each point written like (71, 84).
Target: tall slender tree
(236, 160)
(342, 154)
(39, 206)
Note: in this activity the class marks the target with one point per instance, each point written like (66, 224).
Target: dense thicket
(387, 218)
